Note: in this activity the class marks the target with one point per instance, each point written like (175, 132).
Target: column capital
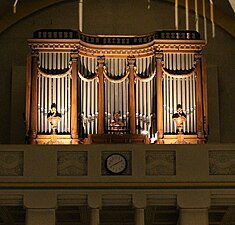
(101, 60)
(40, 200)
(198, 56)
(34, 53)
(94, 200)
(158, 56)
(131, 60)
(139, 200)
(74, 55)
(194, 199)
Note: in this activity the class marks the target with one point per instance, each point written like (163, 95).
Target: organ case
(91, 78)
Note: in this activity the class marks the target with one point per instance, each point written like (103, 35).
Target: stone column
(94, 202)
(95, 216)
(40, 207)
(199, 99)
(74, 100)
(193, 217)
(139, 202)
(159, 105)
(34, 99)
(40, 217)
(101, 60)
(194, 207)
(131, 64)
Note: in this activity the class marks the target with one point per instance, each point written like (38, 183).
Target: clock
(116, 163)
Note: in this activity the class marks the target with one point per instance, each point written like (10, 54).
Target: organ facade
(116, 89)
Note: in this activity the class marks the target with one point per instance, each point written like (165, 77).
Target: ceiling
(223, 11)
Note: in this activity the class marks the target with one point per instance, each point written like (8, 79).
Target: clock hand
(116, 163)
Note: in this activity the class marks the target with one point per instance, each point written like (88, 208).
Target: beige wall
(114, 17)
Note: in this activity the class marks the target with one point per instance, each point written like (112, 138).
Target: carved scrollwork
(11, 163)
(160, 163)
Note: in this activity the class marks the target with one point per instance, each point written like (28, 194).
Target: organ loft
(116, 89)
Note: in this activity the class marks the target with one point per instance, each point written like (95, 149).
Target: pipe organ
(93, 78)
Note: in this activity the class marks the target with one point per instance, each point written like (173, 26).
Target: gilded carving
(11, 163)
(222, 162)
(72, 163)
(160, 163)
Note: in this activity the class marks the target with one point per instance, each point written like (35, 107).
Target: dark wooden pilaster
(34, 99)
(199, 99)
(159, 105)
(28, 95)
(74, 102)
(101, 60)
(132, 114)
(204, 96)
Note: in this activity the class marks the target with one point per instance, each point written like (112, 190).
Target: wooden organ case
(116, 89)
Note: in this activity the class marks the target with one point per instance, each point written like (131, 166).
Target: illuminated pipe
(120, 97)
(84, 99)
(149, 102)
(182, 56)
(46, 106)
(175, 98)
(141, 104)
(115, 86)
(127, 102)
(144, 105)
(69, 103)
(164, 103)
(42, 104)
(58, 101)
(174, 61)
(92, 106)
(88, 106)
(171, 105)
(170, 61)
(112, 97)
(124, 97)
(137, 104)
(63, 89)
(194, 104)
(96, 107)
(187, 105)
(183, 99)
(191, 104)
(178, 61)
(39, 103)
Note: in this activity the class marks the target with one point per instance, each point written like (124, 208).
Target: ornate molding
(11, 163)
(222, 162)
(160, 163)
(71, 163)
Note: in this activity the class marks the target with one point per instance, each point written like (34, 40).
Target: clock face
(116, 163)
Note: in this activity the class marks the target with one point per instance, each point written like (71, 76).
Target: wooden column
(34, 99)
(101, 60)
(28, 95)
(74, 102)
(199, 99)
(204, 96)
(131, 63)
(159, 105)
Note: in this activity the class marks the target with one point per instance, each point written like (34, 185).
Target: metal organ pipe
(178, 90)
